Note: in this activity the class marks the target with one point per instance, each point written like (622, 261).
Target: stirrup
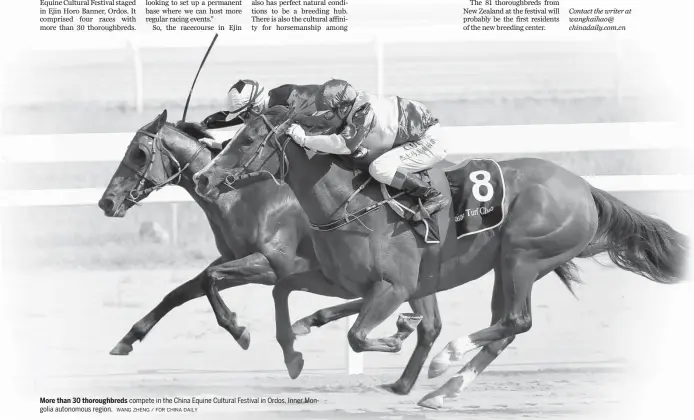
(421, 213)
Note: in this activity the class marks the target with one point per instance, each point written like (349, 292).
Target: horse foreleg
(427, 332)
(326, 315)
(187, 291)
(380, 302)
(482, 359)
(312, 281)
(254, 268)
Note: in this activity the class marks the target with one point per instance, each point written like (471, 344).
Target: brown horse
(260, 231)
(552, 217)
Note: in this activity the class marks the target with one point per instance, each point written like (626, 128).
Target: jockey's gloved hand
(360, 152)
(297, 133)
(212, 143)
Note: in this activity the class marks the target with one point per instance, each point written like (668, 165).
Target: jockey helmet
(243, 97)
(335, 96)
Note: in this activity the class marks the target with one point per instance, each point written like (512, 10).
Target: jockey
(247, 98)
(399, 135)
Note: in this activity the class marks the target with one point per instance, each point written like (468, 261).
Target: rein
(280, 149)
(282, 171)
(154, 144)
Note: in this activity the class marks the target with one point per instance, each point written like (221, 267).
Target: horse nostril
(202, 181)
(106, 204)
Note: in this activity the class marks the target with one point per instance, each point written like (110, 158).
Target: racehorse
(552, 217)
(260, 231)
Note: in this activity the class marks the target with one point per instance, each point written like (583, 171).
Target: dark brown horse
(260, 231)
(553, 216)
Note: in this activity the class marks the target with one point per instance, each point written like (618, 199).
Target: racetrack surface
(581, 358)
(509, 393)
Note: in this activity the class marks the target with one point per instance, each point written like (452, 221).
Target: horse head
(258, 149)
(158, 155)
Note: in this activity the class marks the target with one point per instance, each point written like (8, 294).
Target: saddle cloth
(477, 195)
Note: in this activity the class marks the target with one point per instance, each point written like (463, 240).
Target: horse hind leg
(539, 236)
(509, 318)
(517, 277)
(467, 374)
(518, 274)
(482, 359)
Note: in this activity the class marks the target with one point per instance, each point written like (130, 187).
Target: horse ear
(160, 121)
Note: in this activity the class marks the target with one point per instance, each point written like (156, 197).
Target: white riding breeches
(410, 157)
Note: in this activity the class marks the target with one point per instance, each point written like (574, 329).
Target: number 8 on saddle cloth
(477, 195)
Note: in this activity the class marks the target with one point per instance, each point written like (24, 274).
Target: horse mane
(276, 111)
(193, 130)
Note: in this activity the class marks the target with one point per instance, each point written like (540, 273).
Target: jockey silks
(393, 122)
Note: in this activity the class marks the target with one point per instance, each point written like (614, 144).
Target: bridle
(278, 148)
(153, 145)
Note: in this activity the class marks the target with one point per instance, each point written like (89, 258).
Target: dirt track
(574, 362)
(555, 392)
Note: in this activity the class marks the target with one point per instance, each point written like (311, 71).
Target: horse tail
(568, 274)
(637, 242)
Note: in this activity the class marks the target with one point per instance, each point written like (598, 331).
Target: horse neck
(321, 187)
(185, 150)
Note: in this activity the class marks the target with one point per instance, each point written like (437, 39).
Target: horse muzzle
(204, 187)
(111, 208)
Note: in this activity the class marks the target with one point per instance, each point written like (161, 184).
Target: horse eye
(138, 156)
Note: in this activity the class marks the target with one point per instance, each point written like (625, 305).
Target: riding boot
(432, 199)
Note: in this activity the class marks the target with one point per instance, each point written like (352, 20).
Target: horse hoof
(121, 349)
(438, 368)
(434, 403)
(395, 388)
(295, 365)
(300, 328)
(408, 322)
(245, 339)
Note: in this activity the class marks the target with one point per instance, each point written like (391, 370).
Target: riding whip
(185, 110)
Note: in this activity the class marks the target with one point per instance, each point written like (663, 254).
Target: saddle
(477, 190)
